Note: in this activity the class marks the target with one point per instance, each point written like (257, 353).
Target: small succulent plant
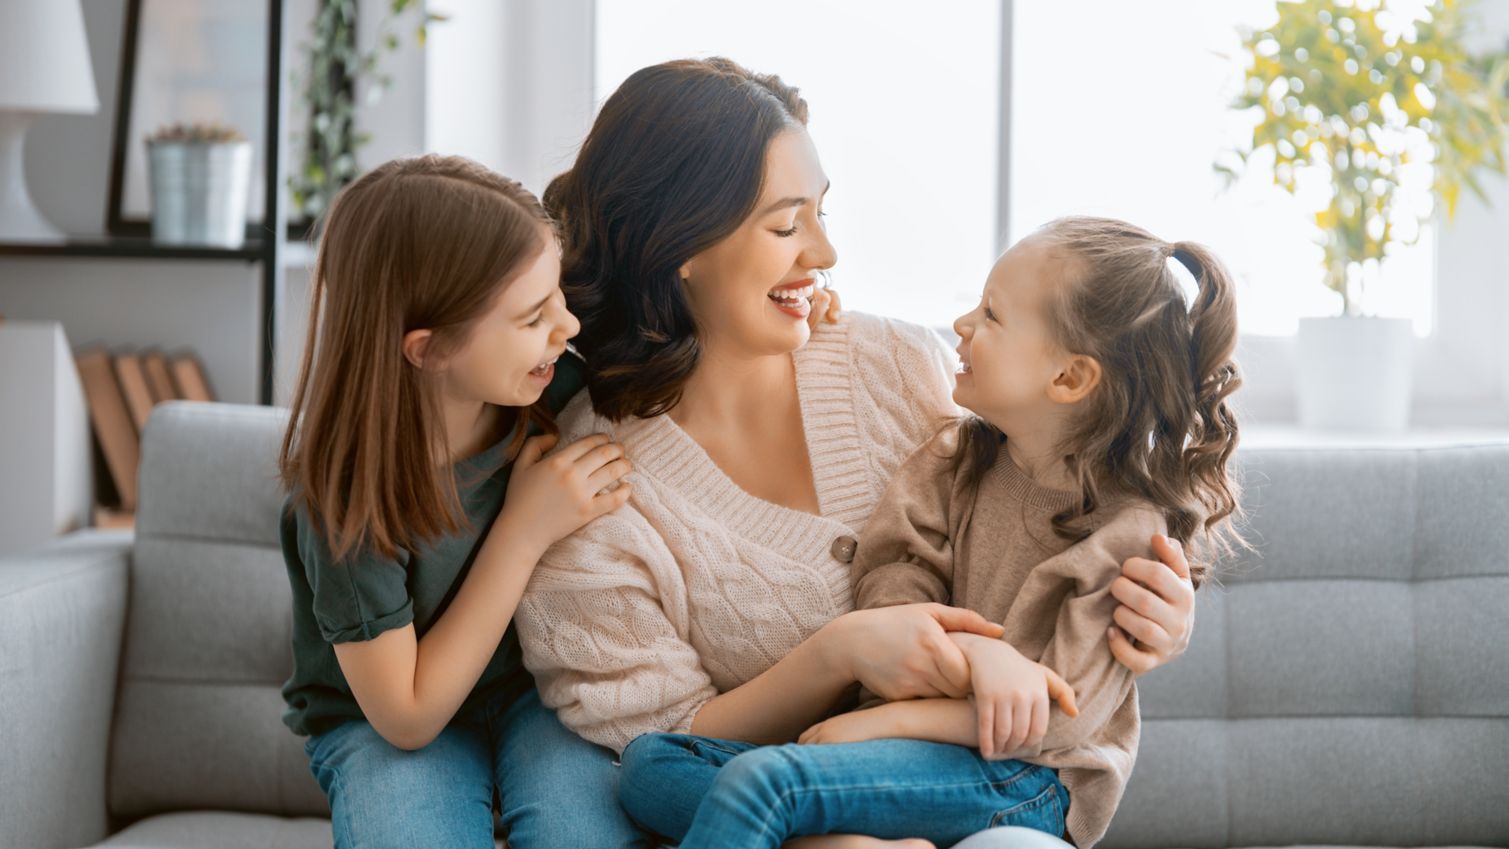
(196, 134)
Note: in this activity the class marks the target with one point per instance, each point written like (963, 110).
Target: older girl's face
(751, 293)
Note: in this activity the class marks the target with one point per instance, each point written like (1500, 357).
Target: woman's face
(750, 293)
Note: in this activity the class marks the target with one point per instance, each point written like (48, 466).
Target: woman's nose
(820, 253)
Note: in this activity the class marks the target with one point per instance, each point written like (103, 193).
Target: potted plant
(200, 176)
(1359, 94)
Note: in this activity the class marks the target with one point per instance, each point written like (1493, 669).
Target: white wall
(511, 85)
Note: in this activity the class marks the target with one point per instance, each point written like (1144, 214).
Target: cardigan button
(844, 548)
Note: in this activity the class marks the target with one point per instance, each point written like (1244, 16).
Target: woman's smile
(794, 299)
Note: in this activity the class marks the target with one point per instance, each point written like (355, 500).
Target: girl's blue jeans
(705, 792)
(555, 790)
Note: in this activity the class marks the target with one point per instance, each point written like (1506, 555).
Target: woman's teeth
(544, 367)
(792, 296)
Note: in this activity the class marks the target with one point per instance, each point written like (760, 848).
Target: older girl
(419, 506)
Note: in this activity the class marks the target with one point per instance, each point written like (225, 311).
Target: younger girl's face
(1008, 357)
(751, 292)
(509, 357)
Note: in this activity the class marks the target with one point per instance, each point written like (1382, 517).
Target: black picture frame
(246, 68)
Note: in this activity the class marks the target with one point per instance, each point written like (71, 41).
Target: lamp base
(19, 219)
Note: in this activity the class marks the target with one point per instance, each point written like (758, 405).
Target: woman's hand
(904, 652)
(825, 307)
(1011, 695)
(1157, 608)
(549, 497)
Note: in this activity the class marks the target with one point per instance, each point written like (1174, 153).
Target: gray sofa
(1349, 688)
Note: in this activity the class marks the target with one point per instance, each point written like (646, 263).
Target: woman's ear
(416, 344)
(1078, 378)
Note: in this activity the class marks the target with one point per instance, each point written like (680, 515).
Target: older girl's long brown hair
(1159, 427)
(422, 243)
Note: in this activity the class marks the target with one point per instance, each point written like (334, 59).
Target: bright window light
(1119, 111)
(904, 101)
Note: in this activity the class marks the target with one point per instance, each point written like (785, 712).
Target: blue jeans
(718, 793)
(554, 788)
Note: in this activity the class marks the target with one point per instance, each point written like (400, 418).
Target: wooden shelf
(124, 247)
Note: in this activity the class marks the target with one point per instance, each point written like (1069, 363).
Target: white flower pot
(1354, 373)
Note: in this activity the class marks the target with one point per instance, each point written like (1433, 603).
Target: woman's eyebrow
(793, 201)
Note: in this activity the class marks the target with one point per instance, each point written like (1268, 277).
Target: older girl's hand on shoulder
(550, 497)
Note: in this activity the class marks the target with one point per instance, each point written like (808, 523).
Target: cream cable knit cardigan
(694, 587)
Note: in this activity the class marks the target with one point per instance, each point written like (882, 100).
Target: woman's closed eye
(796, 225)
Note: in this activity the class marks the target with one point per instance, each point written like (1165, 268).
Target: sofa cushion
(207, 649)
(1348, 683)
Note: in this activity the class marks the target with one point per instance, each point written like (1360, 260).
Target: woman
(717, 602)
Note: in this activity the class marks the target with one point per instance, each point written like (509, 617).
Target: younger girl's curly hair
(1158, 428)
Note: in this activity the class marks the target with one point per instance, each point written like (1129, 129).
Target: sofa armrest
(62, 614)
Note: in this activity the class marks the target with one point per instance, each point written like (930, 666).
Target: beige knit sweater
(992, 549)
(694, 587)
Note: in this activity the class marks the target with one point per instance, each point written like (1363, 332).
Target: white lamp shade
(44, 57)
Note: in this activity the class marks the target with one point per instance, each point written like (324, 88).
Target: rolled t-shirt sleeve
(357, 598)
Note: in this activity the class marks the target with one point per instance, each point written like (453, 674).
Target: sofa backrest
(197, 721)
(1347, 685)
(1350, 684)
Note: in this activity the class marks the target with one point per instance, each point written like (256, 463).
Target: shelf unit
(267, 251)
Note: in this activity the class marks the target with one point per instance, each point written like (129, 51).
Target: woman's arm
(1157, 608)
(899, 652)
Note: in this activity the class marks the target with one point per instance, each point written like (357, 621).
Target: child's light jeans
(705, 792)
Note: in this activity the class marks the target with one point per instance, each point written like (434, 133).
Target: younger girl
(419, 506)
(1099, 391)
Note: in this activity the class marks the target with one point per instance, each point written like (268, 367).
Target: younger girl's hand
(853, 727)
(1011, 695)
(825, 307)
(549, 497)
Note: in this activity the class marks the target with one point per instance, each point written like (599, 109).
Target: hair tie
(1191, 289)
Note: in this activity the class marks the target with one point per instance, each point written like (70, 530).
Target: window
(1115, 108)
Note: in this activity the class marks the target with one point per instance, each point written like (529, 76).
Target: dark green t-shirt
(368, 594)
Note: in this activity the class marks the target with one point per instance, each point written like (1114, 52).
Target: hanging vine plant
(337, 71)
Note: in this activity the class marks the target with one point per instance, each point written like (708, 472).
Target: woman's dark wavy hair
(1159, 427)
(674, 163)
